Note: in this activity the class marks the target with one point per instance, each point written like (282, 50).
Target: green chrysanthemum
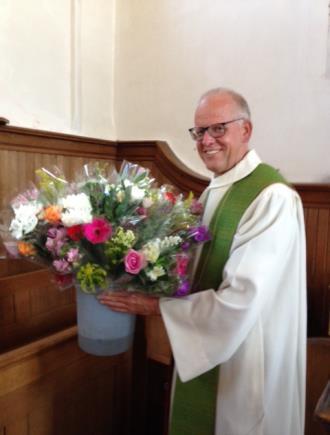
(90, 277)
(120, 243)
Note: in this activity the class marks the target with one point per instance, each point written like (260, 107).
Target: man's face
(222, 153)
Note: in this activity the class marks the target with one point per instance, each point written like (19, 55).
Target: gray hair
(238, 99)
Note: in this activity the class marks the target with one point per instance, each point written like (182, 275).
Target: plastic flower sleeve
(51, 184)
(8, 241)
(107, 228)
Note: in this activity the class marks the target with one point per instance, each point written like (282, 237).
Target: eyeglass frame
(204, 129)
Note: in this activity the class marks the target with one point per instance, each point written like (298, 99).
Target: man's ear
(247, 130)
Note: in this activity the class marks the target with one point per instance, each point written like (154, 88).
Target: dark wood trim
(47, 142)
(158, 152)
(38, 346)
(3, 121)
(314, 194)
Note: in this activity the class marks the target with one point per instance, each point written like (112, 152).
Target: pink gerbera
(98, 231)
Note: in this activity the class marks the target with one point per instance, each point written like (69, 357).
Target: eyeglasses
(214, 130)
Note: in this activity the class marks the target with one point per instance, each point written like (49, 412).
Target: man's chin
(215, 167)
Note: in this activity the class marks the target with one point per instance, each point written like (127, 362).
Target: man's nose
(207, 139)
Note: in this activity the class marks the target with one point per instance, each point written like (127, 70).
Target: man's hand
(128, 302)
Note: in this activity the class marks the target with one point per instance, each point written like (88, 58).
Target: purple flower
(61, 266)
(50, 244)
(185, 246)
(183, 289)
(196, 207)
(54, 245)
(55, 240)
(73, 255)
(52, 232)
(200, 234)
(56, 233)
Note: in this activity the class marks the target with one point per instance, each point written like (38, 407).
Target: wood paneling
(22, 151)
(317, 220)
(318, 374)
(50, 387)
(158, 345)
(55, 388)
(18, 169)
(38, 141)
(32, 307)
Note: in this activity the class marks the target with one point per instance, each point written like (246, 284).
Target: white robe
(254, 324)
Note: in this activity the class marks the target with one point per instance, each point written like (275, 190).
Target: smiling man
(239, 341)
(222, 130)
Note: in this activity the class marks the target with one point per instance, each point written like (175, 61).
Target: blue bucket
(102, 331)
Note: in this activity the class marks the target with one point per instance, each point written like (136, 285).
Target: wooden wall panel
(83, 389)
(318, 269)
(20, 427)
(18, 170)
(32, 306)
(24, 150)
(7, 312)
(13, 267)
(94, 399)
(318, 374)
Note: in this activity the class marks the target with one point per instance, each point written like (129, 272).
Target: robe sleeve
(206, 328)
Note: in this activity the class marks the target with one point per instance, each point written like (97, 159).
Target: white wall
(56, 65)
(272, 51)
(134, 69)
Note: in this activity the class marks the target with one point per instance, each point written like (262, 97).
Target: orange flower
(26, 249)
(52, 214)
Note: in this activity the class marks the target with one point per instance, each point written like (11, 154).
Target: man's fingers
(115, 295)
(125, 302)
(120, 303)
(114, 305)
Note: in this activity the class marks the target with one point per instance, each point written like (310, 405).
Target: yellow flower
(120, 196)
(151, 251)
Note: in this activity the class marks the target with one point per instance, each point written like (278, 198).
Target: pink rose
(99, 231)
(134, 261)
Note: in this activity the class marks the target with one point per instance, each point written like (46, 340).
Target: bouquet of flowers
(109, 229)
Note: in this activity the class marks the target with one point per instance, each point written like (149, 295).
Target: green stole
(194, 402)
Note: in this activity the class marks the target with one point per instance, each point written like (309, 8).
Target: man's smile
(211, 151)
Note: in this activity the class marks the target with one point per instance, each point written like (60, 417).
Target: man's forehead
(217, 101)
(215, 105)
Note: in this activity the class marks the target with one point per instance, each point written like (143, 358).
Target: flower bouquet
(107, 230)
